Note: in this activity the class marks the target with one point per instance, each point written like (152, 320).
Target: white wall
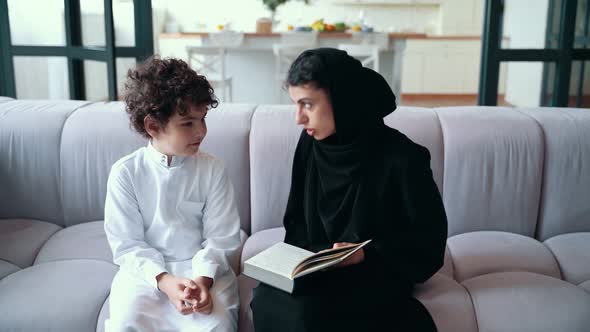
(461, 17)
(190, 13)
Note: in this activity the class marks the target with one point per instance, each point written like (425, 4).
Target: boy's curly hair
(157, 87)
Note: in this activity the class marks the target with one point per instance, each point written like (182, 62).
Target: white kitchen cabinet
(441, 66)
(443, 73)
(461, 17)
(470, 79)
(412, 73)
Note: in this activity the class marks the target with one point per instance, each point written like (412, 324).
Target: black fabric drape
(367, 181)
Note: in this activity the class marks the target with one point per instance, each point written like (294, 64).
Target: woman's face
(314, 110)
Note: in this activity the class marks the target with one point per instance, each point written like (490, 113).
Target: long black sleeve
(413, 248)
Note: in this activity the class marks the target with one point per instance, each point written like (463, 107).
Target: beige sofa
(515, 183)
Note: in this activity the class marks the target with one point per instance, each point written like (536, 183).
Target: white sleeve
(221, 229)
(123, 225)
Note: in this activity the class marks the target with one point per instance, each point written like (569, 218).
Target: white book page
(319, 264)
(281, 259)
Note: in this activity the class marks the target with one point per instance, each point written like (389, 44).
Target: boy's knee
(225, 321)
(119, 325)
(226, 326)
(127, 320)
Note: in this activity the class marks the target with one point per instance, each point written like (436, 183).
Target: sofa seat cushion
(56, 296)
(479, 253)
(89, 241)
(259, 241)
(447, 268)
(21, 239)
(449, 304)
(103, 315)
(7, 268)
(524, 301)
(82, 241)
(572, 252)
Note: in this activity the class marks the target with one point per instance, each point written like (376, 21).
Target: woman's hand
(357, 257)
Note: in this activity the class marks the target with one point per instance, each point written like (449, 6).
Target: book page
(281, 258)
(327, 258)
(315, 258)
(331, 252)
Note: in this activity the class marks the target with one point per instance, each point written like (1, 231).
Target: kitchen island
(252, 64)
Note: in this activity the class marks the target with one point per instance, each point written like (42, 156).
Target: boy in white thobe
(170, 215)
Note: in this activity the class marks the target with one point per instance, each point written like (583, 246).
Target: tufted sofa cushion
(57, 296)
(572, 252)
(82, 241)
(21, 240)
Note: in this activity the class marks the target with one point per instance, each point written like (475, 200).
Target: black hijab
(360, 99)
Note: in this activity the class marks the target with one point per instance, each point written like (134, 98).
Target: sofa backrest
(524, 171)
(565, 193)
(273, 139)
(489, 164)
(30, 136)
(93, 138)
(493, 169)
(59, 155)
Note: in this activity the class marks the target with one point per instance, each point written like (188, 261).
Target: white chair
(366, 47)
(291, 45)
(210, 60)
(367, 54)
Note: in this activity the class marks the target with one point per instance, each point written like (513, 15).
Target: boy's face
(183, 134)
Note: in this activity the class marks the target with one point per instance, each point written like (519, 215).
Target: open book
(282, 263)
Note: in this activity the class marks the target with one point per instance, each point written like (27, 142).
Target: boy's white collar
(161, 158)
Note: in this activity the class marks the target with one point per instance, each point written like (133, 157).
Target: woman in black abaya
(355, 179)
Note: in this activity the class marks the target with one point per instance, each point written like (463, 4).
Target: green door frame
(74, 51)
(7, 87)
(492, 54)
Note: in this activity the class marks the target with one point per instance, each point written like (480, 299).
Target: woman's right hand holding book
(356, 258)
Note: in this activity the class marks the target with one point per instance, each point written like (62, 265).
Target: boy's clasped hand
(188, 296)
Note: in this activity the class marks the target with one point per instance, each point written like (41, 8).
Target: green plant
(273, 4)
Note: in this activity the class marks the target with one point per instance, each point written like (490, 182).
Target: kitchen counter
(391, 35)
(278, 34)
(253, 68)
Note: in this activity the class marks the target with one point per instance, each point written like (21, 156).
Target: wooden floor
(435, 100)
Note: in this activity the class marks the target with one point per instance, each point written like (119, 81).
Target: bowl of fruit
(321, 26)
